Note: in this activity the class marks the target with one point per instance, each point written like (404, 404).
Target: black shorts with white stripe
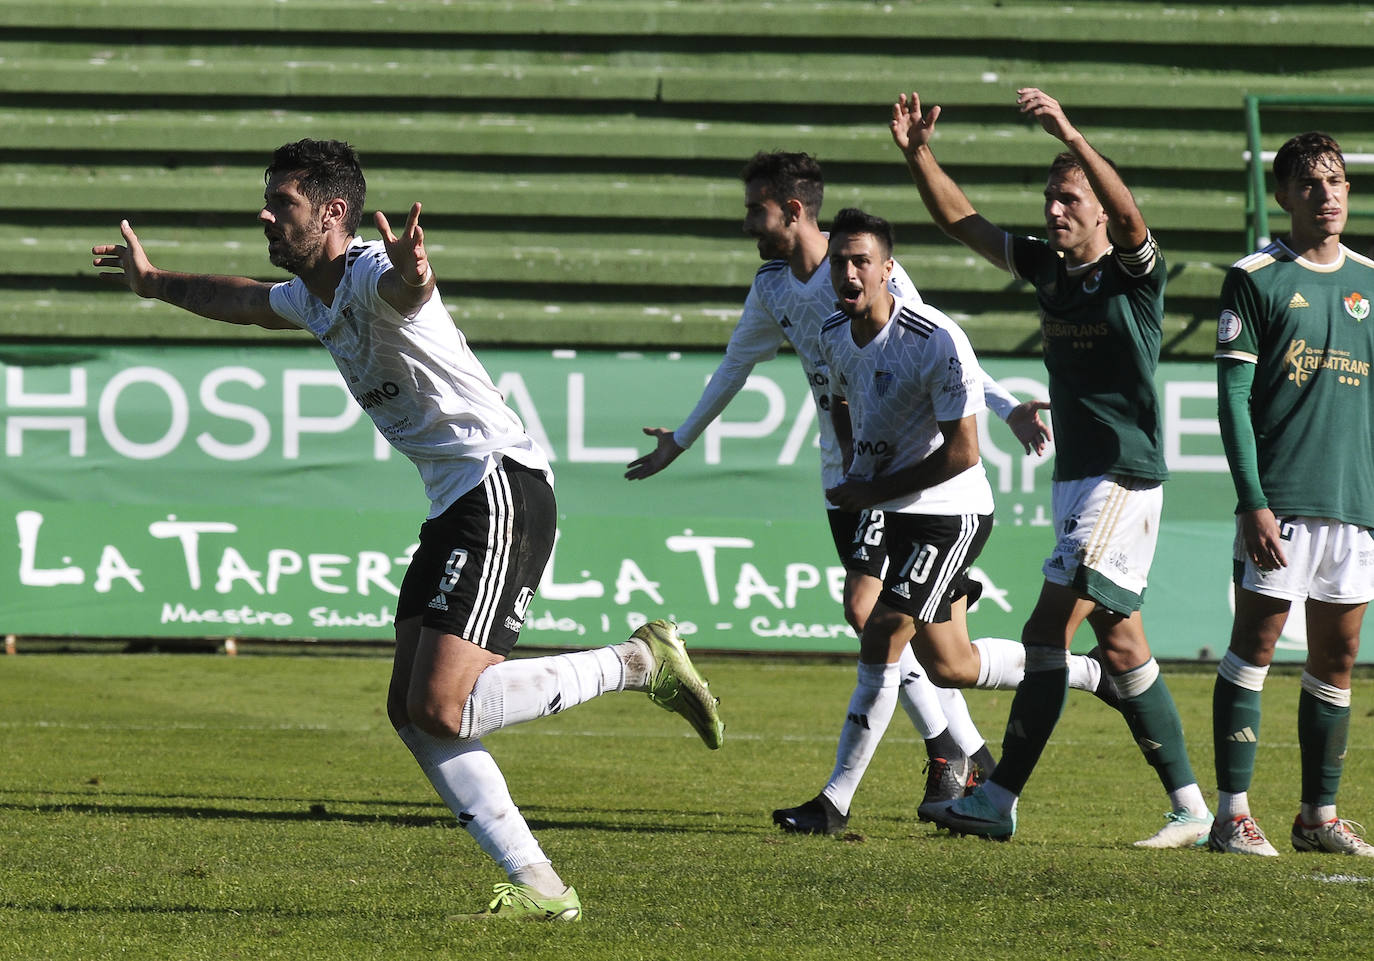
(480, 562)
(928, 560)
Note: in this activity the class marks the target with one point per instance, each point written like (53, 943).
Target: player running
(483, 547)
(789, 300)
(905, 391)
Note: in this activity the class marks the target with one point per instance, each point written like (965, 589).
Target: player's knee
(945, 674)
(396, 711)
(855, 619)
(435, 717)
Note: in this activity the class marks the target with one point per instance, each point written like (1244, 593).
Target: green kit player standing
(1099, 282)
(1295, 342)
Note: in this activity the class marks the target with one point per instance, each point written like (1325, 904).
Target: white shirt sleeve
(756, 339)
(283, 298)
(999, 400)
(959, 388)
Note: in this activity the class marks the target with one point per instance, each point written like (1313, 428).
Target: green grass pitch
(197, 807)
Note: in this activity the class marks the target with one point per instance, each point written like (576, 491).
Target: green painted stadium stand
(578, 161)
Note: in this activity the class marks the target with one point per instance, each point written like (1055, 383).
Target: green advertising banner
(212, 492)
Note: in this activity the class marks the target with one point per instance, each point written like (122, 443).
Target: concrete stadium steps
(514, 256)
(623, 137)
(578, 160)
(964, 75)
(1017, 20)
(231, 192)
(84, 312)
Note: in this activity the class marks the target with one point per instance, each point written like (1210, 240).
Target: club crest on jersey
(1093, 281)
(1357, 305)
(882, 381)
(1228, 326)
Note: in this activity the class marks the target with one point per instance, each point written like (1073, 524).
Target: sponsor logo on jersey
(1298, 301)
(1356, 305)
(1228, 326)
(1056, 328)
(955, 382)
(1304, 360)
(377, 396)
(440, 603)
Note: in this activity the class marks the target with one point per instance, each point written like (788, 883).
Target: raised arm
(233, 300)
(410, 281)
(1125, 224)
(947, 204)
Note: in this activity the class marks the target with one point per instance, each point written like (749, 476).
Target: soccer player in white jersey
(483, 547)
(905, 390)
(1295, 346)
(787, 303)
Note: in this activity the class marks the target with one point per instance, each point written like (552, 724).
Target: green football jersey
(1307, 329)
(1101, 326)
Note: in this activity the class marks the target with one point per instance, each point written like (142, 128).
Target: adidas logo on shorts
(440, 603)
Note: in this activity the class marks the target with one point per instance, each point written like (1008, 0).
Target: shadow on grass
(651, 821)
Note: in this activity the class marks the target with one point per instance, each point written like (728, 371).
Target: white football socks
(526, 688)
(870, 711)
(1002, 665)
(920, 698)
(472, 786)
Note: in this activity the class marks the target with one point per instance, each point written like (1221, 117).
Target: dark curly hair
(788, 176)
(325, 169)
(1307, 152)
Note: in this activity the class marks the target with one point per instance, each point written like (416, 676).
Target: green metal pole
(1257, 207)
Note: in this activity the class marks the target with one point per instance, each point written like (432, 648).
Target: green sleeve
(1234, 380)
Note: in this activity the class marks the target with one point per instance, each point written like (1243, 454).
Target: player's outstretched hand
(406, 252)
(128, 260)
(664, 453)
(1046, 109)
(910, 129)
(1024, 421)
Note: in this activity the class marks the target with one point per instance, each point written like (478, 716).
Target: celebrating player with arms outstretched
(490, 528)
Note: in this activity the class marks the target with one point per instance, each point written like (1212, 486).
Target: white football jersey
(919, 370)
(782, 309)
(416, 377)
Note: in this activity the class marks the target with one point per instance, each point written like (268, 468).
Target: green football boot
(675, 685)
(520, 902)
